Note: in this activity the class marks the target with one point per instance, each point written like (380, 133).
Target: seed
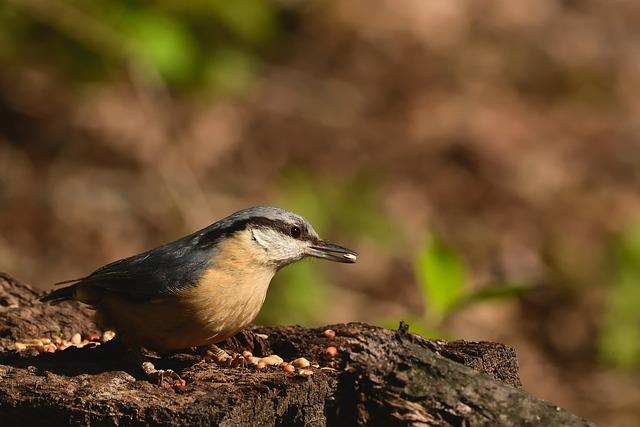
(20, 346)
(246, 354)
(94, 337)
(331, 364)
(288, 368)
(305, 372)
(62, 347)
(76, 339)
(254, 360)
(270, 360)
(329, 333)
(278, 358)
(108, 336)
(263, 336)
(261, 365)
(332, 351)
(301, 362)
(51, 348)
(56, 340)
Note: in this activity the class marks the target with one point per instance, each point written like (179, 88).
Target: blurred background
(482, 156)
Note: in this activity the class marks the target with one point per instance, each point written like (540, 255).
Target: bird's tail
(61, 294)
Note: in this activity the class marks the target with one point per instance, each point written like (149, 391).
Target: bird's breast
(221, 304)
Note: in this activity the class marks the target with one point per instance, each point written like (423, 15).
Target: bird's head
(278, 237)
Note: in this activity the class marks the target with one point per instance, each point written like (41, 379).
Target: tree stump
(379, 377)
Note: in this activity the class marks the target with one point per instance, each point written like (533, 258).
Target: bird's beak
(332, 252)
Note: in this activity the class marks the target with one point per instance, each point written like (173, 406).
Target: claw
(221, 358)
(160, 375)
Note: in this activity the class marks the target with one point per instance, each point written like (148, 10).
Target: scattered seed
(254, 360)
(327, 369)
(270, 360)
(246, 354)
(278, 358)
(332, 351)
(261, 365)
(56, 340)
(94, 337)
(20, 346)
(301, 362)
(108, 336)
(329, 333)
(288, 368)
(305, 372)
(263, 336)
(315, 365)
(50, 348)
(76, 339)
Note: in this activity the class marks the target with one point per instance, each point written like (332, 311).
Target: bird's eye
(295, 232)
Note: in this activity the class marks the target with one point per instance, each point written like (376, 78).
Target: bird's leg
(213, 353)
(159, 376)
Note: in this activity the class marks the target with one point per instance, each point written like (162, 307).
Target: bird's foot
(221, 358)
(163, 377)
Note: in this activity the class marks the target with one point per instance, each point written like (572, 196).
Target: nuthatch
(202, 288)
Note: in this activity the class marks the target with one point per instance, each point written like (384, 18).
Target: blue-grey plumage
(204, 287)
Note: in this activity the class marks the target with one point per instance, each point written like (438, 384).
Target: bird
(202, 288)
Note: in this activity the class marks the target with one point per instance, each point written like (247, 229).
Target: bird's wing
(159, 272)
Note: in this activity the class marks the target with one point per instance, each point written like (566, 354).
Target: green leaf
(441, 275)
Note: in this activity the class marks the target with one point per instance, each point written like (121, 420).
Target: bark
(382, 377)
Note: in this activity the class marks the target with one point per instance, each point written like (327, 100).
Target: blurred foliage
(300, 291)
(620, 334)
(197, 44)
(443, 279)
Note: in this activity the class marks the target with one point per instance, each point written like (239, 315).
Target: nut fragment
(20, 346)
(301, 362)
(287, 367)
(305, 372)
(108, 336)
(270, 360)
(76, 339)
(329, 333)
(332, 351)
